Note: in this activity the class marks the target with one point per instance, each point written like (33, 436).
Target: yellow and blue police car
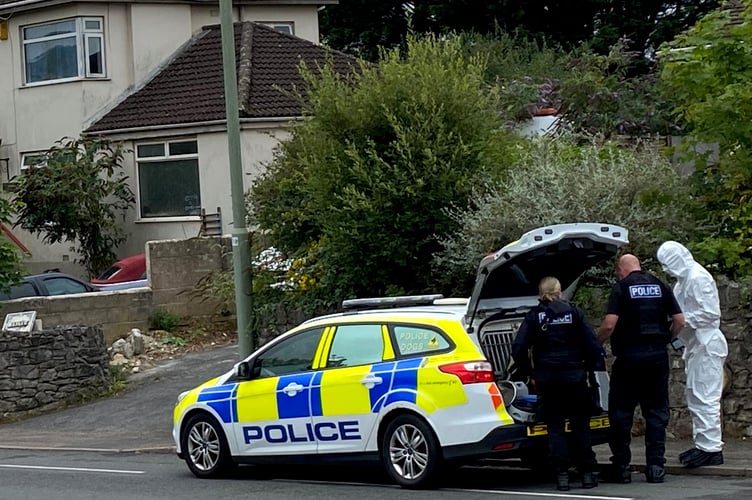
(394, 380)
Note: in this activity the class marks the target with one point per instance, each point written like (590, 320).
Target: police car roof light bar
(387, 302)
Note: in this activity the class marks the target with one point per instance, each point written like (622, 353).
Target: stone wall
(46, 369)
(736, 324)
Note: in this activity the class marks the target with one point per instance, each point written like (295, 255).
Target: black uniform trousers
(561, 400)
(643, 382)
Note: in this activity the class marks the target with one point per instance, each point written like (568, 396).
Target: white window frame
(166, 156)
(25, 164)
(275, 25)
(82, 36)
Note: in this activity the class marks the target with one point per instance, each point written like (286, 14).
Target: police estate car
(413, 386)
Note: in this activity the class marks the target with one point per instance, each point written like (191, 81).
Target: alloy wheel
(408, 451)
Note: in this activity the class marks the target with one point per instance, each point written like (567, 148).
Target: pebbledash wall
(45, 369)
(174, 269)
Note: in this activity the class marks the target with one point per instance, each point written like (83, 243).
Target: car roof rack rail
(389, 302)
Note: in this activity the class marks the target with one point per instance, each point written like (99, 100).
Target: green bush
(559, 181)
(707, 72)
(162, 319)
(358, 191)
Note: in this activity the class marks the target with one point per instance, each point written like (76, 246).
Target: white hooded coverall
(706, 347)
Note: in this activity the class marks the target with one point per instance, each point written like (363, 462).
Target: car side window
(63, 286)
(355, 345)
(292, 355)
(19, 291)
(418, 340)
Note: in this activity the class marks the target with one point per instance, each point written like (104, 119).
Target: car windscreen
(109, 273)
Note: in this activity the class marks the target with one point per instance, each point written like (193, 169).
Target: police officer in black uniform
(564, 349)
(642, 318)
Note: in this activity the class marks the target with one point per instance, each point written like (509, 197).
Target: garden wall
(174, 268)
(45, 369)
(736, 324)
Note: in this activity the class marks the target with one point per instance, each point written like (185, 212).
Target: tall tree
(360, 26)
(646, 23)
(709, 73)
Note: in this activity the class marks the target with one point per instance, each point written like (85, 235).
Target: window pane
(33, 160)
(93, 25)
(94, 50)
(183, 148)
(169, 188)
(290, 356)
(148, 150)
(283, 28)
(51, 60)
(51, 29)
(416, 340)
(356, 345)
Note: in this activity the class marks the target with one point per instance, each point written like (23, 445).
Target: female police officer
(564, 349)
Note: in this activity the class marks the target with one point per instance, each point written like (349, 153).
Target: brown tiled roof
(190, 88)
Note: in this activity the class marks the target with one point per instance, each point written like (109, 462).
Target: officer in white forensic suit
(705, 352)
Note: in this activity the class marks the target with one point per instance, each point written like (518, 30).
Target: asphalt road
(66, 475)
(140, 417)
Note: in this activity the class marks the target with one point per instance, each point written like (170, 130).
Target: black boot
(685, 454)
(589, 480)
(617, 474)
(655, 474)
(562, 481)
(699, 458)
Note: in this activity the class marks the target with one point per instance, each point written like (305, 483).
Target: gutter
(26, 3)
(20, 3)
(222, 123)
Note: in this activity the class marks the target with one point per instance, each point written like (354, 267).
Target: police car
(411, 382)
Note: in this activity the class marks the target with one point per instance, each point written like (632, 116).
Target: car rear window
(18, 292)
(419, 340)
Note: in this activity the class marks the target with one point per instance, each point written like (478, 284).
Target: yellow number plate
(540, 430)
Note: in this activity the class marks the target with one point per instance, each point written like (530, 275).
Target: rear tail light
(472, 372)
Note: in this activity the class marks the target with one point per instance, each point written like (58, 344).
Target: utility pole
(241, 255)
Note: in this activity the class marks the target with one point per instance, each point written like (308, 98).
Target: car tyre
(411, 452)
(205, 447)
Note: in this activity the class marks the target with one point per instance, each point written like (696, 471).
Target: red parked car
(131, 270)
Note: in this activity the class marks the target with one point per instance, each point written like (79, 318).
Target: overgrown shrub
(358, 190)
(559, 181)
(162, 319)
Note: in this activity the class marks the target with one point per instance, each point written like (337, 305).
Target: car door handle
(292, 389)
(371, 380)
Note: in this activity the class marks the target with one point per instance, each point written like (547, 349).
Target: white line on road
(71, 469)
(467, 490)
(536, 494)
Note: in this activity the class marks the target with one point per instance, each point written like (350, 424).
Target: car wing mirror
(244, 370)
(248, 370)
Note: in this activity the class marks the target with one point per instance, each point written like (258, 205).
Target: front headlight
(181, 396)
